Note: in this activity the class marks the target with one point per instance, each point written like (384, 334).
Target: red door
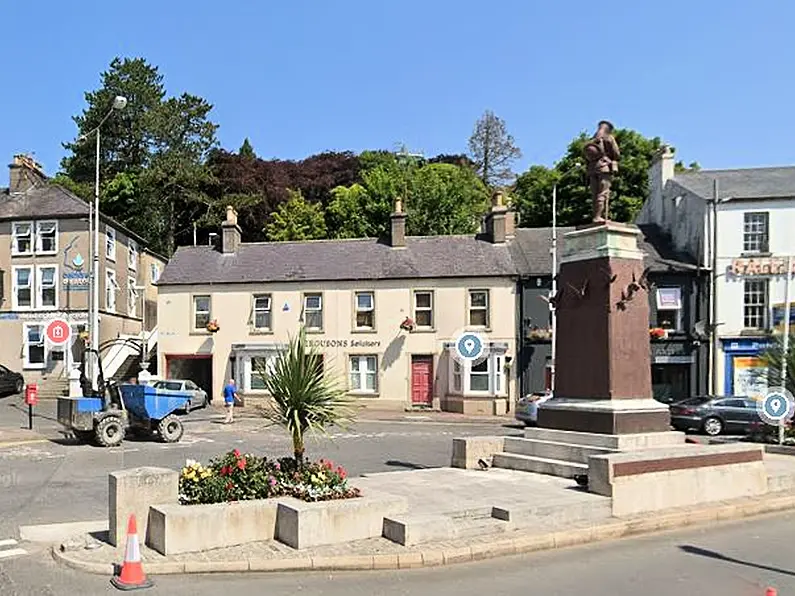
(422, 380)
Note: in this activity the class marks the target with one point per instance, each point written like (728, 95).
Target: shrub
(240, 477)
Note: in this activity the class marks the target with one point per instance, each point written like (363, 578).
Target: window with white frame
(755, 292)
(260, 367)
(423, 309)
(669, 308)
(48, 286)
(484, 377)
(365, 310)
(132, 256)
(23, 288)
(313, 311)
(22, 238)
(154, 272)
(479, 308)
(756, 232)
(364, 374)
(34, 351)
(201, 312)
(132, 297)
(110, 244)
(111, 287)
(47, 237)
(262, 312)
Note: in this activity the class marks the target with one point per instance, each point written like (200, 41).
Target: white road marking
(14, 552)
(11, 552)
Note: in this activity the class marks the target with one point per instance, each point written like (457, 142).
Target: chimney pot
(230, 232)
(24, 174)
(397, 233)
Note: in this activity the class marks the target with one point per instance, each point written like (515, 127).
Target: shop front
(745, 374)
(673, 370)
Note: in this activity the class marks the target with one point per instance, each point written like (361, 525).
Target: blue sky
(715, 79)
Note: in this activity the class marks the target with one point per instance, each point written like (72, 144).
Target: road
(60, 480)
(732, 559)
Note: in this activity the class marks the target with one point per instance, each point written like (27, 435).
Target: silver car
(198, 396)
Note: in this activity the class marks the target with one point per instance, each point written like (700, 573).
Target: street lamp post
(119, 103)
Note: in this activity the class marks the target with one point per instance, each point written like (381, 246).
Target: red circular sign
(58, 332)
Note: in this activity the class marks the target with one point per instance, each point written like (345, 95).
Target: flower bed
(243, 477)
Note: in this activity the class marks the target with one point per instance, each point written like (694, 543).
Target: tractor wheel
(110, 431)
(170, 429)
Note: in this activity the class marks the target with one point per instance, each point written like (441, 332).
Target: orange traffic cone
(132, 576)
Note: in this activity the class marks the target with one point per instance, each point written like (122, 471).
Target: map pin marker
(469, 345)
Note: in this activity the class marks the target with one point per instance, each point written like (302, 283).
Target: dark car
(10, 382)
(715, 415)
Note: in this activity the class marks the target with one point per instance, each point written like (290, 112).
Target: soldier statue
(601, 156)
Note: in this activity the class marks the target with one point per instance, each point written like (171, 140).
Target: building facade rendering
(384, 314)
(45, 260)
(676, 302)
(754, 212)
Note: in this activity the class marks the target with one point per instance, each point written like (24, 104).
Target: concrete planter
(175, 529)
(300, 524)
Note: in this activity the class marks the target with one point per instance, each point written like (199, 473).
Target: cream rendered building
(352, 297)
(44, 265)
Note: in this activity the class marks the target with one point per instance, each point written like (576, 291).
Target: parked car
(198, 396)
(11, 382)
(716, 415)
(527, 407)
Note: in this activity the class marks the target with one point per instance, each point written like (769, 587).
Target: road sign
(777, 406)
(470, 346)
(58, 332)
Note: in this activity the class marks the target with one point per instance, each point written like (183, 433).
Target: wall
(232, 307)
(72, 259)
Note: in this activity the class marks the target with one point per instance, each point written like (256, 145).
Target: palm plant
(303, 397)
(773, 358)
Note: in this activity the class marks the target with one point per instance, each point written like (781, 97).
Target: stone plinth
(656, 479)
(603, 363)
(133, 492)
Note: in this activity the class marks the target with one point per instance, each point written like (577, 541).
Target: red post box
(32, 394)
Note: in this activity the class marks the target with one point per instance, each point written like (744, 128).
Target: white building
(755, 236)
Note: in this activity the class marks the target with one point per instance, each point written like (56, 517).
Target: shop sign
(344, 343)
(670, 348)
(760, 266)
(76, 281)
(73, 317)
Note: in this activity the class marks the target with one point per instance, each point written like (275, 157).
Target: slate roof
(745, 183)
(339, 260)
(51, 201)
(531, 250)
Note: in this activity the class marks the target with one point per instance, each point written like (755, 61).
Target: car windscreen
(169, 386)
(694, 401)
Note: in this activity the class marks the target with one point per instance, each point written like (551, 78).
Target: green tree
(630, 187)
(493, 150)
(353, 213)
(304, 398)
(445, 199)
(246, 150)
(174, 186)
(126, 135)
(297, 219)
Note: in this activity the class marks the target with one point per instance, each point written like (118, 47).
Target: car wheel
(110, 431)
(170, 429)
(713, 426)
(19, 387)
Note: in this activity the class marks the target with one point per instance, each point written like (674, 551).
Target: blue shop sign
(76, 281)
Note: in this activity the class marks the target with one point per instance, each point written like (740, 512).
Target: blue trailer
(107, 414)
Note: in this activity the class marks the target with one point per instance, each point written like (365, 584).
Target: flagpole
(554, 283)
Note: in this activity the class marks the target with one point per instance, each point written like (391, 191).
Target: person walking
(230, 395)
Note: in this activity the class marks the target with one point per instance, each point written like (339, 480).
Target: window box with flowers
(658, 333)
(539, 334)
(408, 324)
(213, 326)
